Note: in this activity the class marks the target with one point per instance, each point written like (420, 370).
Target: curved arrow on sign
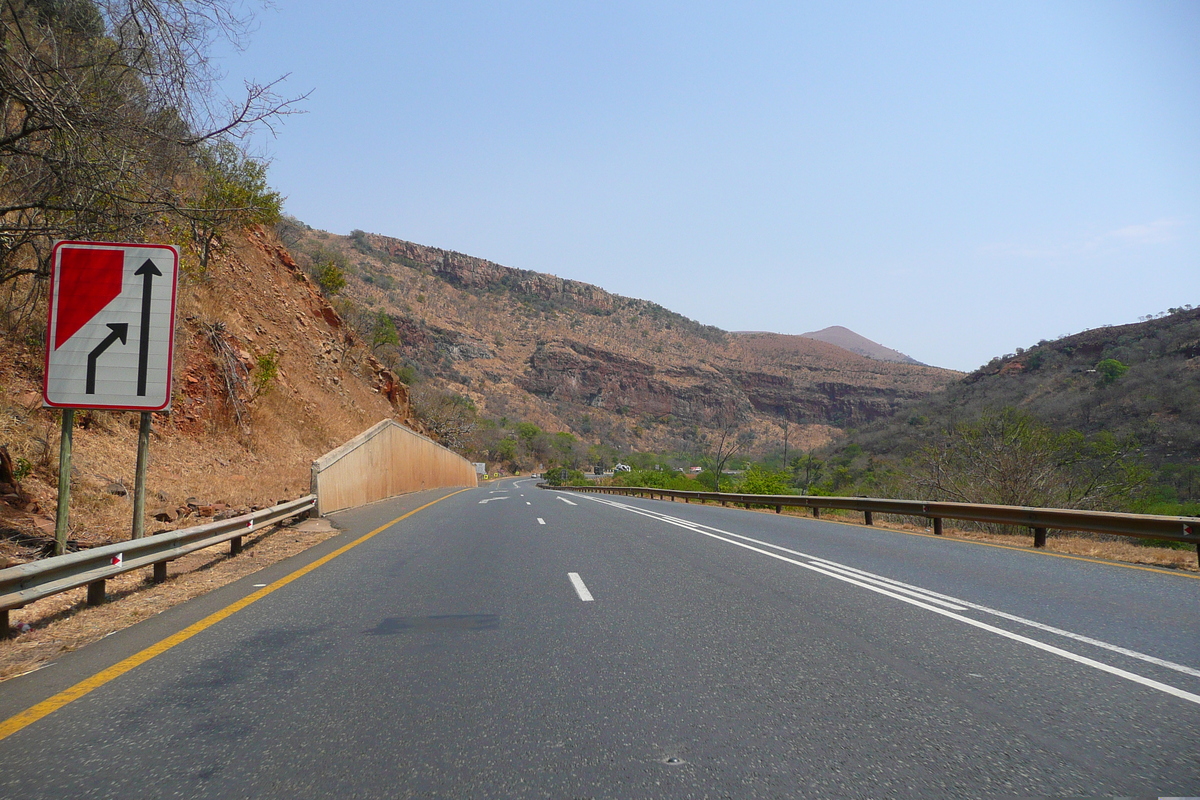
(120, 330)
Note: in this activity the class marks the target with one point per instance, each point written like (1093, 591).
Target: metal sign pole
(139, 481)
(64, 483)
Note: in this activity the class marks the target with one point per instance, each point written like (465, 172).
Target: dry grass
(64, 622)
(1077, 544)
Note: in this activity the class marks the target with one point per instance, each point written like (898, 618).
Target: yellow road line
(52, 704)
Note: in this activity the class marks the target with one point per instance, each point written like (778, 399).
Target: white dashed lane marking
(580, 588)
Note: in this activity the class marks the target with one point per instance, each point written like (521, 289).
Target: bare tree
(103, 107)
(450, 417)
(1009, 458)
(725, 439)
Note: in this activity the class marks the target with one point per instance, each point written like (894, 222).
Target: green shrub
(759, 480)
(22, 469)
(561, 476)
(330, 277)
(1110, 370)
(266, 371)
(656, 479)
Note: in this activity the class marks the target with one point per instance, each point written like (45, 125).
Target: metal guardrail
(1039, 520)
(24, 583)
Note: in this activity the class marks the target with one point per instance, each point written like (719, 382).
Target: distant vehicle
(622, 468)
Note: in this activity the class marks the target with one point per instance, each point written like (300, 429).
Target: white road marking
(35, 669)
(1048, 628)
(580, 588)
(490, 499)
(889, 587)
(565, 500)
(528, 503)
(541, 521)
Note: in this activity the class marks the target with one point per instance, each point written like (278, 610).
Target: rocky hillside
(570, 356)
(267, 377)
(1140, 380)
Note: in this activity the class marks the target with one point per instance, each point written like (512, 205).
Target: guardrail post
(314, 487)
(160, 572)
(778, 509)
(5, 631)
(235, 545)
(96, 593)
(816, 512)
(1039, 537)
(868, 518)
(937, 526)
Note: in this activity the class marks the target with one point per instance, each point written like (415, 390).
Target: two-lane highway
(507, 641)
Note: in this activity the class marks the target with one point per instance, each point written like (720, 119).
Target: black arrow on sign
(147, 271)
(120, 330)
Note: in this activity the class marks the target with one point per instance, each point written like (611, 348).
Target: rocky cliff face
(578, 374)
(469, 272)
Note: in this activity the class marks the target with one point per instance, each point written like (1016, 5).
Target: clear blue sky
(954, 180)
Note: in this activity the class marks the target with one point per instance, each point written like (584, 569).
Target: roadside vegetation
(111, 130)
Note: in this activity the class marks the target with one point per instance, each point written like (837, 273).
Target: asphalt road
(515, 642)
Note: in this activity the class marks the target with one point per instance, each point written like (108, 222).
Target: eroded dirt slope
(237, 436)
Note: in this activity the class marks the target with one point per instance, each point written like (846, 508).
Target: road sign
(111, 326)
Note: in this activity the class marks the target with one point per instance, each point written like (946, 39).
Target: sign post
(64, 481)
(139, 481)
(109, 343)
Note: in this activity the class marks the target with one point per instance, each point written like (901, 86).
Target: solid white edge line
(1162, 662)
(580, 588)
(855, 578)
(1049, 648)
(899, 585)
(565, 500)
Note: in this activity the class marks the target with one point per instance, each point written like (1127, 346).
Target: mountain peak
(848, 339)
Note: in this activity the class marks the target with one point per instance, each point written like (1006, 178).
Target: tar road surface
(508, 641)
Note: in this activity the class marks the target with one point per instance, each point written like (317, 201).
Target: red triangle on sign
(88, 280)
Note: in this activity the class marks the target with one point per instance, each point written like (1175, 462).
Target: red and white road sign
(112, 326)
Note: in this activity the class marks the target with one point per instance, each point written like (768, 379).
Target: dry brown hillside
(221, 452)
(570, 356)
